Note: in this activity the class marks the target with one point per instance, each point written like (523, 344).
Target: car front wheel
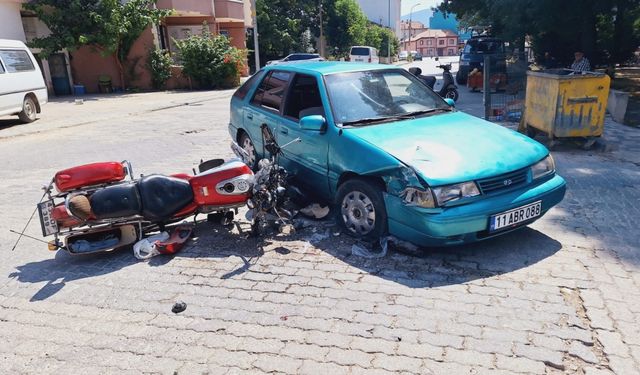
(29, 110)
(361, 209)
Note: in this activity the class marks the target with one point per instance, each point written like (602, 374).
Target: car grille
(503, 181)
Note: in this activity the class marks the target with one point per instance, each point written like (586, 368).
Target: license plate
(514, 217)
(47, 222)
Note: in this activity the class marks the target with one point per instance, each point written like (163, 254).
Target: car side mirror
(450, 102)
(313, 122)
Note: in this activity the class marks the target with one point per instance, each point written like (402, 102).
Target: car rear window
(302, 57)
(242, 92)
(360, 51)
(271, 91)
(16, 60)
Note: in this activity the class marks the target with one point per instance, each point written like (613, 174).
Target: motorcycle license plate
(47, 222)
(514, 217)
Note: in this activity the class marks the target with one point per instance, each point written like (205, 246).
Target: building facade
(383, 12)
(17, 24)
(434, 42)
(413, 27)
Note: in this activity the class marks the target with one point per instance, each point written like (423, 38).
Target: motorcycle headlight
(417, 197)
(543, 168)
(454, 192)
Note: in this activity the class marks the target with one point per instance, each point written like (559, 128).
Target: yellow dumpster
(564, 104)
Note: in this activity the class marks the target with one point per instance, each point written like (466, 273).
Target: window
(271, 91)
(304, 98)
(16, 60)
(452, 41)
(224, 33)
(1, 68)
(421, 42)
(429, 42)
(441, 42)
(242, 92)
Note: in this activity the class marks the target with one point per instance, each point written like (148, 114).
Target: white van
(364, 54)
(22, 88)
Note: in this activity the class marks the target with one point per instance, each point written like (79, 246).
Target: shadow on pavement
(63, 268)
(7, 123)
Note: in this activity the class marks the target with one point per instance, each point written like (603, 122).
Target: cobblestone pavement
(562, 296)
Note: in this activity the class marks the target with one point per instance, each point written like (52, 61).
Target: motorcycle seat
(163, 196)
(116, 201)
(429, 80)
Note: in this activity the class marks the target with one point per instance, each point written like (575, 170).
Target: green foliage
(346, 26)
(112, 26)
(211, 60)
(603, 29)
(159, 63)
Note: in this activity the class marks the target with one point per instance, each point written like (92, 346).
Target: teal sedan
(393, 156)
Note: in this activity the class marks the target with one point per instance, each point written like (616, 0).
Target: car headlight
(454, 192)
(417, 197)
(543, 168)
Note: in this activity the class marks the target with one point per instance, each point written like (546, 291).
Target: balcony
(229, 10)
(188, 8)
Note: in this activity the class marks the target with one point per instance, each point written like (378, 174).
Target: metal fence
(504, 82)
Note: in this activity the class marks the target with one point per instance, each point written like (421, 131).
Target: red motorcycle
(100, 207)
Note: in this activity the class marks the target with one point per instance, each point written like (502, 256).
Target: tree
(603, 29)
(346, 25)
(111, 26)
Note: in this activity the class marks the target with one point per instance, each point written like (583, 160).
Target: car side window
(1, 68)
(271, 91)
(16, 60)
(242, 92)
(303, 98)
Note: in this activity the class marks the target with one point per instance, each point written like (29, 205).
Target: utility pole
(256, 49)
(321, 30)
(410, 23)
(389, 36)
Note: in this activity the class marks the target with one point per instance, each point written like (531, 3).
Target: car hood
(453, 147)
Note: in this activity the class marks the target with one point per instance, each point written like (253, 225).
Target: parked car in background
(416, 56)
(364, 54)
(403, 55)
(393, 156)
(22, 88)
(473, 53)
(297, 57)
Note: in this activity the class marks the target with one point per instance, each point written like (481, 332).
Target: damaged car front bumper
(470, 222)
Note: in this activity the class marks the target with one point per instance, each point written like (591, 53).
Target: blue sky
(424, 4)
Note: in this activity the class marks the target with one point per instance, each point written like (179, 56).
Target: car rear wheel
(247, 145)
(361, 209)
(29, 110)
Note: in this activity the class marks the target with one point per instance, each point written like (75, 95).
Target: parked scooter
(101, 207)
(448, 89)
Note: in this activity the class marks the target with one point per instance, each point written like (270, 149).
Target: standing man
(581, 63)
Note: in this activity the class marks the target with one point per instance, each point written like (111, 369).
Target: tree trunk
(120, 70)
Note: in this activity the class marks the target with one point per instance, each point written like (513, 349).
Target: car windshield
(484, 46)
(366, 97)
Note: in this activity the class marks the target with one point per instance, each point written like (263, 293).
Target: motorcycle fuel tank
(228, 184)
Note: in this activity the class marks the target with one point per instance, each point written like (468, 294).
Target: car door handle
(284, 130)
(250, 116)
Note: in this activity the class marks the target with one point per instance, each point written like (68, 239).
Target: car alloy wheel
(361, 208)
(358, 213)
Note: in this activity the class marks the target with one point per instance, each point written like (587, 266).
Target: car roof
(329, 67)
(11, 43)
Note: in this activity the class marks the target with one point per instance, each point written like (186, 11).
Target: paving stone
(520, 365)
(547, 356)
(583, 352)
(612, 344)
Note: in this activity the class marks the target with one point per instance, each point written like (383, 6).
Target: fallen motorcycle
(268, 201)
(101, 207)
